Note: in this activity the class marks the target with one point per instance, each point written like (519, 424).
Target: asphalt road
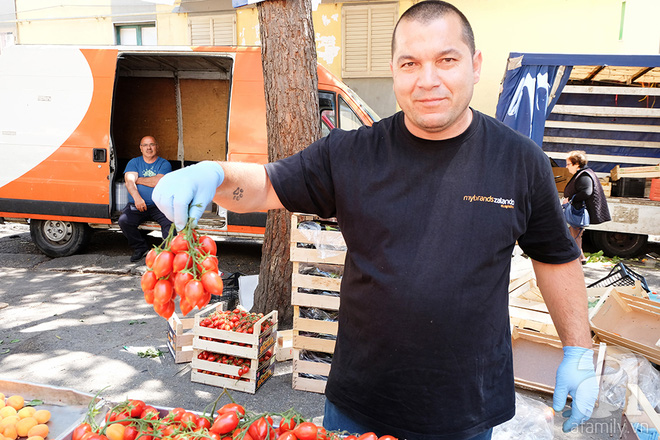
(78, 322)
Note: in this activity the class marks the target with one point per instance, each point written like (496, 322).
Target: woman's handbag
(576, 217)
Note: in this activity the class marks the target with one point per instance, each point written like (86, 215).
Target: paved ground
(79, 322)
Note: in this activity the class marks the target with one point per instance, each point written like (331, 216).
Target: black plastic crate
(621, 275)
(629, 187)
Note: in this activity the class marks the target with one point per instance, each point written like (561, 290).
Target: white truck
(606, 105)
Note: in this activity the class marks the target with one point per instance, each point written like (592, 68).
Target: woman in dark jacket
(584, 188)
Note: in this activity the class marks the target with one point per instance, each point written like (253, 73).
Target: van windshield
(363, 105)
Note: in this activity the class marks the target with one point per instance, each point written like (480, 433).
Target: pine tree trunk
(291, 86)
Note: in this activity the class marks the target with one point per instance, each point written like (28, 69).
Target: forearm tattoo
(238, 193)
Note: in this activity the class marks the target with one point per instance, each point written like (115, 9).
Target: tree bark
(292, 121)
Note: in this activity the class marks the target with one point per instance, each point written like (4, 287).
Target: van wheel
(619, 244)
(57, 238)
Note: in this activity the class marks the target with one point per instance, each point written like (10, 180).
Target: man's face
(434, 75)
(149, 148)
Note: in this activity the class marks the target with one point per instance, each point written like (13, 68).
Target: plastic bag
(534, 420)
(328, 245)
(628, 367)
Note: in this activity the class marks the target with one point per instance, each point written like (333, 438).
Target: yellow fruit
(8, 421)
(34, 437)
(24, 425)
(42, 416)
(115, 431)
(17, 402)
(40, 430)
(28, 411)
(2, 404)
(8, 411)
(10, 432)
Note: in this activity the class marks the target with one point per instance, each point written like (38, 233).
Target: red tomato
(179, 244)
(288, 435)
(387, 437)
(368, 436)
(306, 431)
(148, 280)
(130, 432)
(180, 281)
(126, 414)
(181, 261)
(287, 425)
(258, 430)
(136, 407)
(208, 245)
(189, 419)
(185, 306)
(194, 291)
(204, 300)
(150, 413)
(209, 263)
(321, 434)
(163, 264)
(235, 407)
(212, 282)
(149, 259)
(165, 310)
(203, 422)
(175, 414)
(225, 423)
(81, 430)
(149, 296)
(163, 291)
(97, 437)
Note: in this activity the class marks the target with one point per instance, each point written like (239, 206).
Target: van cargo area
(182, 100)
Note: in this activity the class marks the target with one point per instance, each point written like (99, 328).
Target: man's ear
(477, 60)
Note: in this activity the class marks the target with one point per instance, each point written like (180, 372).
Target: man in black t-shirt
(431, 202)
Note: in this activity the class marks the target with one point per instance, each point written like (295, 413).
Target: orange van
(71, 118)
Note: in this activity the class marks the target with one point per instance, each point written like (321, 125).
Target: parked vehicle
(606, 105)
(72, 118)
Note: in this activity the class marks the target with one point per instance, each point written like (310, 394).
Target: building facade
(352, 37)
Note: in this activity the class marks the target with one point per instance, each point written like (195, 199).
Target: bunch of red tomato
(236, 320)
(185, 265)
(134, 420)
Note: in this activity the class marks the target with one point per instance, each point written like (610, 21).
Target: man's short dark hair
(429, 10)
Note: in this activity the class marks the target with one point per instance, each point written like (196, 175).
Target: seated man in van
(141, 176)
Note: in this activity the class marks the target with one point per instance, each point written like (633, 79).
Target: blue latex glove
(187, 192)
(576, 376)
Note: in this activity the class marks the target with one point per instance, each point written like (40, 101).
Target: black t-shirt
(424, 345)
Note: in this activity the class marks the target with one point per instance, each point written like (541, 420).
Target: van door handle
(99, 155)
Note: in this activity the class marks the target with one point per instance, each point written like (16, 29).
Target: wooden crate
(180, 338)
(306, 367)
(536, 357)
(210, 373)
(312, 343)
(638, 410)
(628, 321)
(646, 172)
(325, 259)
(252, 346)
(284, 348)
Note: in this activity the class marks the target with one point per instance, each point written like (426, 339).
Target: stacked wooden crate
(256, 349)
(318, 252)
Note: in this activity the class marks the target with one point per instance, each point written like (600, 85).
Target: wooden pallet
(629, 322)
(180, 338)
(302, 367)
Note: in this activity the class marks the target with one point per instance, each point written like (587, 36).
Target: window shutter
(200, 31)
(367, 39)
(216, 30)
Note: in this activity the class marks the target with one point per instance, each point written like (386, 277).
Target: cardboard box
(562, 176)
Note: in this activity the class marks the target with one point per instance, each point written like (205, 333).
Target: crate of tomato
(233, 348)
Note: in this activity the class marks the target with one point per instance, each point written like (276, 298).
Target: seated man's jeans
(336, 420)
(131, 218)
